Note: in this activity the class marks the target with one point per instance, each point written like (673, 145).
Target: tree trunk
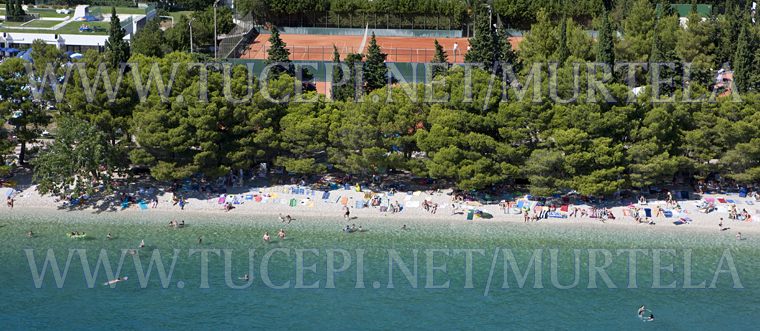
(22, 153)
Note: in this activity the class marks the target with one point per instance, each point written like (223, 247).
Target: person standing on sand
(346, 212)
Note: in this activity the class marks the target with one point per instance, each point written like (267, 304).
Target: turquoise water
(185, 303)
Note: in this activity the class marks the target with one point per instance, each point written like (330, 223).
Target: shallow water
(385, 298)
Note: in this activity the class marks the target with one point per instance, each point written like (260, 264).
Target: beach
(459, 273)
(302, 202)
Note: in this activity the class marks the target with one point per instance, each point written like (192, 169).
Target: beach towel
(344, 201)
(470, 215)
(749, 202)
(564, 208)
(668, 214)
(143, 205)
(721, 200)
(626, 212)
(249, 197)
(258, 198)
(413, 204)
(293, 202)
(520, 204)
(730, 201)
(359, 204)
(221, 199)
(124, 205)
(310, 204)
(325, 195)
(648, 212)
(710, 200)
(555, 214)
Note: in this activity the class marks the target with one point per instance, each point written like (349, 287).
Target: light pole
(215, 52)
(190, 24)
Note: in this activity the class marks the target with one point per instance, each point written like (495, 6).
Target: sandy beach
(289, 200)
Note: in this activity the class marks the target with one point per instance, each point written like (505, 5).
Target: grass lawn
(6, 23)
(106, 10)
(41, 24)
(49, 12)
(71, 28)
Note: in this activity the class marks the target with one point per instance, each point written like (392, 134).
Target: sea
(433, 275)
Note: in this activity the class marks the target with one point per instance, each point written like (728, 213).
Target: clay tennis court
(399, 49)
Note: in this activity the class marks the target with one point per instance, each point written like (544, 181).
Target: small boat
(76, 236)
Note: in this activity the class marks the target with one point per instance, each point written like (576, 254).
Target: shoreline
(276, 200)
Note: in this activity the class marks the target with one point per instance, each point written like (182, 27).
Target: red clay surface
(399, 49)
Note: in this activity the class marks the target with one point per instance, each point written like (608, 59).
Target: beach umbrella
(11, 50)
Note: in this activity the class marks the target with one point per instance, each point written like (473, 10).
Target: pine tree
(439, 57)
(605, 48)
(18, 10)
(562, 51)
(337, 76)
(666, 9)
(506, 53)
(375, 71)
(8, 8)
(481, 44)
(743, 60)
(278, 54)
(277, 51)
(117, 49)
(353, 88)
(729, 32)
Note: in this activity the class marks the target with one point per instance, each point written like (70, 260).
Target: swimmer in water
(245, 277)
(281, 234)
(111, 282)
(288, 219)
(282, 219)
(404, 227)
(30, 234)
(641, 310)
(200, 240)
(266, 237)
(650, 318)
(142, 243)
(738, 236)
(108, 236)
